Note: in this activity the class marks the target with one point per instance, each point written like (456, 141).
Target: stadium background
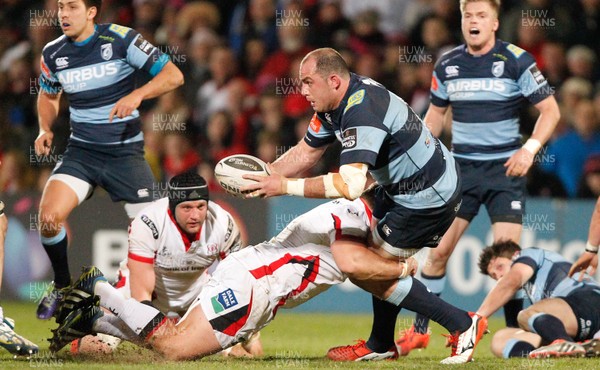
(242, 95)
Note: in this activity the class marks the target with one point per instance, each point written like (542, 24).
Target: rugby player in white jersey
(172, 243)
(315, 251)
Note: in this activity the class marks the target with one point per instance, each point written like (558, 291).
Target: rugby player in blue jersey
(383, 140)
(93, 65)
(564, 309)
(484, 81)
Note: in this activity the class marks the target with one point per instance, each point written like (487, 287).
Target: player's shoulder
(366, 93)
(515, 54)
(217, 214)
(532, 252)
(453, 53)
(117, 33)
(156, 210)
(54, 45)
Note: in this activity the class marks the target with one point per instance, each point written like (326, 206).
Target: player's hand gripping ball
(229, 172)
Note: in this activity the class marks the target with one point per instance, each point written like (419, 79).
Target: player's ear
(92, 11)
(334, 81)
(496, 25)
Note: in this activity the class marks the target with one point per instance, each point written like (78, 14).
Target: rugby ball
(229, 172)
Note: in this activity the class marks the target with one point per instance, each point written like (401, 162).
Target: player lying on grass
(563, 310)
(246, 289)
(172, 243)
(588, 261)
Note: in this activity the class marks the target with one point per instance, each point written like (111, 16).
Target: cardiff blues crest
(106, 51)
(498, 68)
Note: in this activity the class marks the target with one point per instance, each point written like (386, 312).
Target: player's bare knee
(523, 317)
(497, 346)
(49, 223)
(499, 341)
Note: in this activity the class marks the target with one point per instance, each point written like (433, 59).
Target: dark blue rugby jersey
(94, 74)
(550, 275)
(485, 93)
(379, 129)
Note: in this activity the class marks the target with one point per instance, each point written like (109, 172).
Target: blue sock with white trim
(517, 348)
(56, 249)
(384, 323)
(436, 285)
(549, 327)
(411, 294)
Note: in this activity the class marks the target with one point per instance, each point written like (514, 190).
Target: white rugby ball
(229, 172)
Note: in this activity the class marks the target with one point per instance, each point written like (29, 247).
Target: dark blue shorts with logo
(121, 170)
(485, 182)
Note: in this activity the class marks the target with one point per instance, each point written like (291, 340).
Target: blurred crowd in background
(240, 60)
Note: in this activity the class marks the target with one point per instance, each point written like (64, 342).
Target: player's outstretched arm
(352, 180)
(360, 263)
(589, 258)
(301, 157)
(169, 78)
(505, 289)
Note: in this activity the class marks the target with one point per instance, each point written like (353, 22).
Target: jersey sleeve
(438, 93)
(318, 135)
(143, 236)
(532, 83)
(531, 257)
(348, 224)
(48, 81)
(232, 240)
(363, 132)
(141, 54)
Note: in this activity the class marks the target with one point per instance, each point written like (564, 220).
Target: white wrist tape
(295, 187)
(404, 270)
(591, 248)
(330, 190)
(532, 146)
(355, 178)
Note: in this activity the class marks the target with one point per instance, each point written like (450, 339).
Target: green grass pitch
(291, 341)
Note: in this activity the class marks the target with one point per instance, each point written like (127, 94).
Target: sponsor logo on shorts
(585, 326)
(143, 193)
(223, 301)
(349, 138)
(151, 225)
(386, 230)
(515, 204)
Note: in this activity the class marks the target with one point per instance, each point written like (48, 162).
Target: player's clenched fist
(43, 143)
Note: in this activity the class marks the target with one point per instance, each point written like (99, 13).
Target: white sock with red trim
(141, 318)
(113, 325)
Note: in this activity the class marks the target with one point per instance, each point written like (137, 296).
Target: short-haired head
(188, 186)
(328, 61)
(502, 248)
(95, 3)
(495, 4)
